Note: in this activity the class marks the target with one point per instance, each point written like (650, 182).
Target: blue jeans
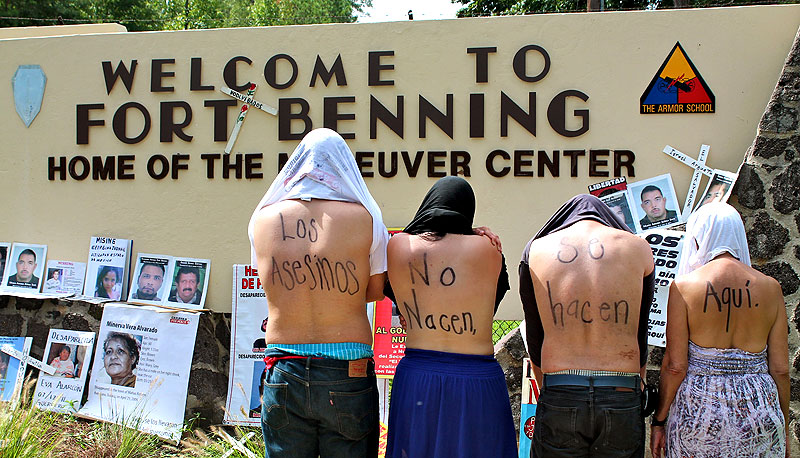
(573, 422)
(311, 407)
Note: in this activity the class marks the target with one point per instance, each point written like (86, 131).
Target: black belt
(617, 381)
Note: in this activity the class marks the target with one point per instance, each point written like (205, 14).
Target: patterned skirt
(727, 406)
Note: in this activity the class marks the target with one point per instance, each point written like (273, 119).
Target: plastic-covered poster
(666, 246)
(25, 268)
(189, 283)
(140, 375)
(248, 324)
(64, 277)
(70, 354)
(389, 343)
(12, 370)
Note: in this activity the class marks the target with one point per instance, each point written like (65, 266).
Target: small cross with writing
(700, 169)
(248, 102)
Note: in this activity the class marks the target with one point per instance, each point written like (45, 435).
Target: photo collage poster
(169, 280)
(70, 354)
(64, 277)
(25, 268)
(141, 369)
(666, 246)
(107, 269)
(249, 324)
(12, 370)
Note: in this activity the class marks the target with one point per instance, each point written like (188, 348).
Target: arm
(533, 322)
(494, 238)
(778, 358)
(673, 368)
(375, 287)
(648, 284)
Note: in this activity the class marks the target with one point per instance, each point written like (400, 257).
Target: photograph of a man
(26, 266)
(657, 201)
(186, 290)
(717, 188)
(149, 281)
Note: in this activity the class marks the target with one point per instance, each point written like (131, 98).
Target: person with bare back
(449, 397)
(586, 284)
(319, 244)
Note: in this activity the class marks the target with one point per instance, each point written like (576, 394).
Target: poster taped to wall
(70, 353)
(64, 277)
(248, 323)
(25, 268)
(141, 371)
(12, 370)
(107, 269)
(666, 246)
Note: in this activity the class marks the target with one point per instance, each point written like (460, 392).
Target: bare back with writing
(587, 279)
(313, 260)
(445, 290)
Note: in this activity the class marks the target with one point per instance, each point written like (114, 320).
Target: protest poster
(25, 268)
(384, 393)
(248, 324)
(666, 246)
(5, 247)
(70, 354)
(107, 269)
(718, 189)
(12, 370)
(189, 283)
(148, 285)
(140, 376)
(389, 338)
(655, 202)
(607, 187)
(64, 277)
(527, 408)
(620, 203)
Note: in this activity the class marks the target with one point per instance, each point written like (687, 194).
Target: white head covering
(323, 167)
(714, 229)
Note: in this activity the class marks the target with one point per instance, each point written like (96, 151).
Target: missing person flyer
(249, 323)
(12, 370)
(64, 277)
(70, 353)
(666, 246)
(140, 375)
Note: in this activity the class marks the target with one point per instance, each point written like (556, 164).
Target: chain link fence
(502, 327)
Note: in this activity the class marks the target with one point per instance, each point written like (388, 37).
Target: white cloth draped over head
(714, 229)
(322, 167)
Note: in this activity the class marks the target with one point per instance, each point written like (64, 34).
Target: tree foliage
(179, 14)
(475, 8)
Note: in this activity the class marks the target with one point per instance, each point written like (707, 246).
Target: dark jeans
(312, 407)
(588, 422)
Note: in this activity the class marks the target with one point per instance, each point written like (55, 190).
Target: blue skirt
(450, 405)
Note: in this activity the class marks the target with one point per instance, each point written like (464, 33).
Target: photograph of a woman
(63, 363)
(109, 283)
(120, 357)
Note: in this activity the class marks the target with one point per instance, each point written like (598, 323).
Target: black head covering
(581, 207)
(448, 208)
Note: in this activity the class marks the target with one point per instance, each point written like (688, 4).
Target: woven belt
(618, 381)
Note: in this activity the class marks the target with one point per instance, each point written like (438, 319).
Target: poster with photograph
(189, 283)
(248, 323)
(607, 187)
(107, 269)
(389, 338)
(64, 277)
(5, 247)
(655, 202)
(718, 188)
(140, 375)
(620, 203)
(148, 285)
(666, 246)
(527, 411)
(12, 370)
(25, 268)
(70, 353)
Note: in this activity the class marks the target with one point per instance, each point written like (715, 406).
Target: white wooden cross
(248, 102)
(237, 445)
(27, 359)
(700, 168)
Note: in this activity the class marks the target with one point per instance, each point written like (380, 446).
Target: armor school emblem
(28, 84)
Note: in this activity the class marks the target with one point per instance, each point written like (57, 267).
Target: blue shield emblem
(28, 84)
